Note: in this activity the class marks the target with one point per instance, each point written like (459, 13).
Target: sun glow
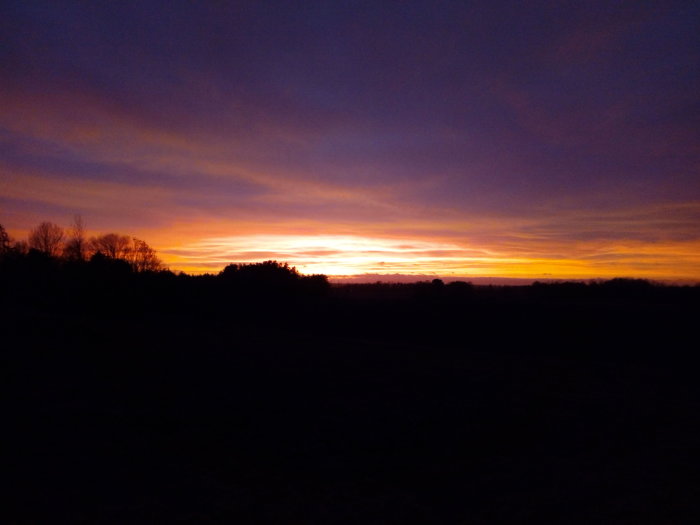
(328, 254)
(351, 255)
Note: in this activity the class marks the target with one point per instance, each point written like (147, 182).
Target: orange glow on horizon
(350, 255)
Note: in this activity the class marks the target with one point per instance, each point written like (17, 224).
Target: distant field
(378, 405)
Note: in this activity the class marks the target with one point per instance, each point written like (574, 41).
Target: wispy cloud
(451, 140)
(533, 257)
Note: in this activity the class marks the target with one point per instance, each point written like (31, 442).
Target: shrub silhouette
(106, 266)
(270, 274)
(315, 285)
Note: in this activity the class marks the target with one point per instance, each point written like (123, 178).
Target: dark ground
(498, 406)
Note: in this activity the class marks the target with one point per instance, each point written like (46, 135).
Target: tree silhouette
(4, 241)
(76, 246)
(143, 258)
(111, 245)
(269, 272)
(47, 238)
(20, 247)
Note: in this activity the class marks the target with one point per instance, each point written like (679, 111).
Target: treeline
(104, 286)
(58, 269)
(52, 241)
(622, 289)
(56, 266)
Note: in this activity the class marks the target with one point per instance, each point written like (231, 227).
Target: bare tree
(47, 238)
(21, 247)
(76, 246)
(5, 241)
(143, 258)
(112, 245)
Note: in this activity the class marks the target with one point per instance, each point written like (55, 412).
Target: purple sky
(519, 138)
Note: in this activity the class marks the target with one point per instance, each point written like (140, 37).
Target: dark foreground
(491, 407)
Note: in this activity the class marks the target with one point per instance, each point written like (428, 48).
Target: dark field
(364, 404)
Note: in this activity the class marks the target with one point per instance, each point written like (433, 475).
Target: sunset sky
(453, 139)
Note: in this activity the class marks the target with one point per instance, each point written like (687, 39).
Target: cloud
(551, 140)
(533, 257)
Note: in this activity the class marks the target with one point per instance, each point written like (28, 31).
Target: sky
(556, 139)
